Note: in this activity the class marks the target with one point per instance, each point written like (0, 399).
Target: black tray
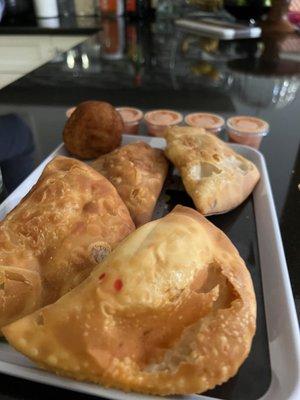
(254, 377)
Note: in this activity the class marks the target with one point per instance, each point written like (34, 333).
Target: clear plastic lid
(163, 117)
(246, 125)
(207, 121)
(130, 115)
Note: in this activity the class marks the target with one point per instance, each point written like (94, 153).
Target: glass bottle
(111, 7)
(85, 8)
(139, 9)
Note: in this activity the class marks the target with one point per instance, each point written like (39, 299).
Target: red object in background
(112, 38)
(138, 9)
(111, 7)
(135, 52)
(108, 6)
(294, 12)
(294, 17)
(130, 6)
(131, 38)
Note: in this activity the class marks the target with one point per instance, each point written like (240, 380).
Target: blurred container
(66, 7)
(113, 38)
(48, 22)
(139, 9)
(131, 119)
(111, 7)
(169, 8)
(46, 9)
(211, 122)
(247, 130)
(158, 120)
(85, 8)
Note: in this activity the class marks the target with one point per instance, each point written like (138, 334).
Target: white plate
(282, 325)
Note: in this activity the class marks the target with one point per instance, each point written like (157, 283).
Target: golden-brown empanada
(138, 172)
(215, 176)
(170, 310)
(50, 242)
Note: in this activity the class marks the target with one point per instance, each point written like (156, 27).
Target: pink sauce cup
(131, 119)
(247, 130)
(158, 120)
(211, 122)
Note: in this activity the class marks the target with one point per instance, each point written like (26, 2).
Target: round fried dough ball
(93, 129)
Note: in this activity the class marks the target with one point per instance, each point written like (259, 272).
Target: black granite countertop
(155, 66)
(62, 25)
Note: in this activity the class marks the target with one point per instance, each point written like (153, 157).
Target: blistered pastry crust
(215, 176)
(49, 243)
(171, 310)
(138, 172)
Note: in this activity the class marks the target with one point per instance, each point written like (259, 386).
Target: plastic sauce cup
(158, 120)
(131, 119)
(211, 122)
(247, 130)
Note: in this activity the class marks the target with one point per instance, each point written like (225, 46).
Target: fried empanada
(215, 176)
(138, 172)
(50, 242)
(171, 310)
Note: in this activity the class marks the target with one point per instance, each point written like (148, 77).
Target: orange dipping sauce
(131, 119)
(158, 120)
(247, 130)
(211, 122)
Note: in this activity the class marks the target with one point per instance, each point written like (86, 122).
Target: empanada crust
(138, 172)
(215, 176)
(170, 311)
(50, 242)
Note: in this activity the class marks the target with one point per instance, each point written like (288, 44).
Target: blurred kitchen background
(139, 35)
(110, 49)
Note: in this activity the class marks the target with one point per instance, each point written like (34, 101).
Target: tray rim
(291, 389)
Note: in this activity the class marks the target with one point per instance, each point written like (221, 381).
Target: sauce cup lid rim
(263, 131)
(139, 114)
(217, 125)
(175, 122)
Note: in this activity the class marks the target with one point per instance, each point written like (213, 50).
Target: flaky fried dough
(50, 242)
(138, 172)
(170, 310)
(215, 176)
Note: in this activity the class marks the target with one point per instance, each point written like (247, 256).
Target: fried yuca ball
(93, 129)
